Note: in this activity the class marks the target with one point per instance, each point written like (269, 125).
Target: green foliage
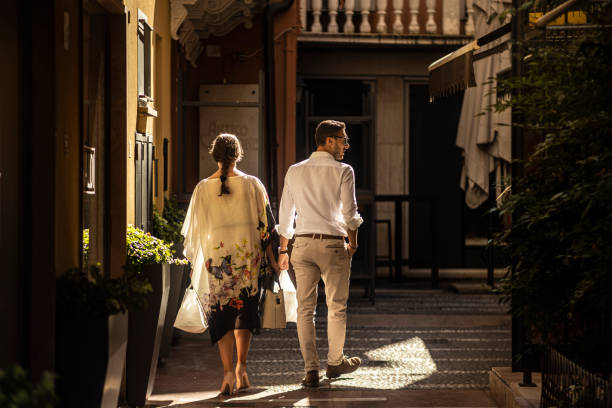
(85, 245)
(561, 233)
(168, 226)
(82, 294)
(95, 295)
(17, 391)
(145, 249)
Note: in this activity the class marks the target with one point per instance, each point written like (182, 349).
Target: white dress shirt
(319, 194)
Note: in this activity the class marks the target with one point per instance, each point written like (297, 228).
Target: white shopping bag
(191, 317)
(289, 297)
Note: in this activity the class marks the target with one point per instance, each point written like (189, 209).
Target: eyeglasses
(345, 140)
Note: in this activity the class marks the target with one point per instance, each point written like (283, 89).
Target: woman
(227, 231)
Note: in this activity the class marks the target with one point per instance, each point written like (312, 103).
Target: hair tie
(223, 178)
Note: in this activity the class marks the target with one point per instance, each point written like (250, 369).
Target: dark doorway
(435, 168)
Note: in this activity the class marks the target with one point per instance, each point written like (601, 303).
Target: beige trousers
(326, 259)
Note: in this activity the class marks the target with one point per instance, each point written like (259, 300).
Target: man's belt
(319, 236)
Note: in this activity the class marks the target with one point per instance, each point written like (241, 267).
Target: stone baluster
(469, 24)
(381, 12)
(431, 26)
(332, 6)
(398, 8)
(413, 27)
(365, 5)
(349, 9)
(316, 16)
(450, 17)
(303, 14)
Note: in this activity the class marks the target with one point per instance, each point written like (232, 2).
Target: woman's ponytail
(224, 169)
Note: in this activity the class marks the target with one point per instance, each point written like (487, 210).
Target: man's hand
(283, 262)
(351, 250)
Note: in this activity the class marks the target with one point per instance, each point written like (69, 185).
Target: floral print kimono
(225, 241)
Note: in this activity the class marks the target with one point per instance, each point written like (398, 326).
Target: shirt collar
(321, 155)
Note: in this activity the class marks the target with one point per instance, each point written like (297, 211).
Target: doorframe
(408, 81)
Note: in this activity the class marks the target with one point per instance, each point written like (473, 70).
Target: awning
(455, 71)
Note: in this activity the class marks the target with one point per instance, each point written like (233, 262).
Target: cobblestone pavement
(406, 351)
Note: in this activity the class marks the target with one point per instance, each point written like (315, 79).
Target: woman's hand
(276, 268)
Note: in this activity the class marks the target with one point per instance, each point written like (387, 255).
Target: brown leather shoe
(348, 365)
(311, 379)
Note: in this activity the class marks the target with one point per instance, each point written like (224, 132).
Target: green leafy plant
(93, 294)
(17, 391)
(561, 232)
(145, 249)
(167, 226)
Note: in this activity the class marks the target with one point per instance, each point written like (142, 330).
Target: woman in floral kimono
(227, 230)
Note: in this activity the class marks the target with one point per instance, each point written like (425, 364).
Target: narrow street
(420, 348)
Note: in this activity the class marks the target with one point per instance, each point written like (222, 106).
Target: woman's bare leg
(243, 342)
(226, 350)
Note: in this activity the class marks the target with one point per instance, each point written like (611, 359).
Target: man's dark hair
(327, 128)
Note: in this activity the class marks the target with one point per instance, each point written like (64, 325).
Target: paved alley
(420, 348)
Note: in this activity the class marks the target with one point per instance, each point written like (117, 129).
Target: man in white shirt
(319, 194)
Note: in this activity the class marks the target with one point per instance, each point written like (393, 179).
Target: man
(319, 194)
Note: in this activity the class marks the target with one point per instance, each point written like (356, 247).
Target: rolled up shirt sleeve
(352, 219)
(286, 214)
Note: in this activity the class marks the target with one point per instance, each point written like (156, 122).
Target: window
(144, 56)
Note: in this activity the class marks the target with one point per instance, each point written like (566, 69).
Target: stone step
(506, 390)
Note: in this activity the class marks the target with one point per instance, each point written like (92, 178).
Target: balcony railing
(387, 17)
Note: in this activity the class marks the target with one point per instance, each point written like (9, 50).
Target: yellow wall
(68, 105)
(158, 17)
(67, 152)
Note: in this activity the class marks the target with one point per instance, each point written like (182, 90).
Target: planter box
(145, 330)
(175, 296)
(90, 356)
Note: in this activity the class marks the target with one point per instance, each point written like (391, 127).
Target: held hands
(283, 262)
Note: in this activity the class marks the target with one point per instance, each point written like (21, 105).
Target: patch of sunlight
(393, 366)
(179, 398)
(258, 393)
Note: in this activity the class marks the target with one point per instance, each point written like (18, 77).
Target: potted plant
(150, 258)
(17, 391)
(91, 334)
(167, 226)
